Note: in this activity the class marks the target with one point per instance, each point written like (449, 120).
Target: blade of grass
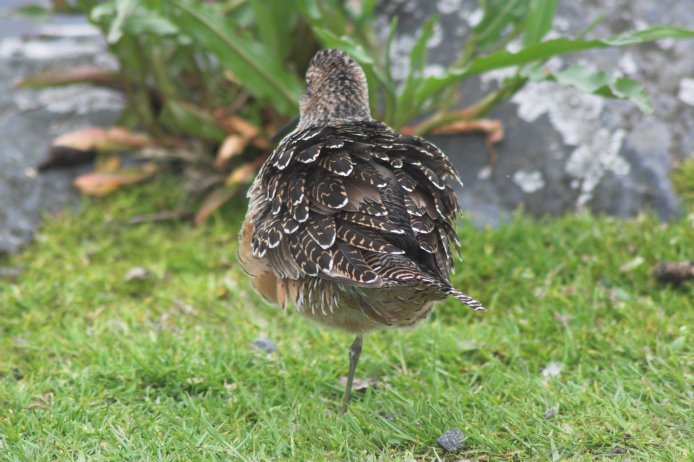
(539, 20)
(406, 110)
(543, 51)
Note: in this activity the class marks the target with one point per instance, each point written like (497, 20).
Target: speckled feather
(345, 202)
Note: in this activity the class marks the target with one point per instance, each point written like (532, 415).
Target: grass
(94, 367)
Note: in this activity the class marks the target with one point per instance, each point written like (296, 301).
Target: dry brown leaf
(250, 131)
(65, 76)
(213, 201)
(104, 183)
(242, 127)
(103, 140)
(232, 123)
(232, 146)
(242, 133)
(244, 173)
(110, 163)
(493, 130)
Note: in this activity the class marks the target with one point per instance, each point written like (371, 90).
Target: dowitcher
(348, 220)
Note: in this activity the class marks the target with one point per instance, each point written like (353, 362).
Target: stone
(30, 119)
(563, 150)
(264, 343)
(452, 440)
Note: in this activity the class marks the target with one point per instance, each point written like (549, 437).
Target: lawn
(580, 356)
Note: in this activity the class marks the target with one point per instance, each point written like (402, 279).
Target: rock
(10, 273)
(564, 151)
(452, 440)
(30, 119)
(264, 343)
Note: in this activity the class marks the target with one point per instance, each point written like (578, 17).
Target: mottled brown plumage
(348, 220)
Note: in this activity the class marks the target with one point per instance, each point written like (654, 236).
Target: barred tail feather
(469, 301)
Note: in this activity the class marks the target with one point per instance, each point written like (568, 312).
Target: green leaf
(326, 14)
(650, 34)
(633, 91)
(415, 75)
(543, 51)
(599, 83)
(581, 77)
(389, 86)
(389, 46)
(539, 20)
(148, 22)
(183, 117)
(344, 43)
(275, 20)
(499, 17)
(251, 62)
(102, 13)
(122, 9)
(367, 10)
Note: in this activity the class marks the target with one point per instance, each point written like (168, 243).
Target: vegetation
(129, 339)
(581, 355)
(211, 82)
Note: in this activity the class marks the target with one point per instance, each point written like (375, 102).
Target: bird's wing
(356, 203)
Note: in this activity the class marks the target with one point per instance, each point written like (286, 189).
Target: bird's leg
(354, 352)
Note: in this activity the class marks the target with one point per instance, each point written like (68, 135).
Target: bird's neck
(334, 107)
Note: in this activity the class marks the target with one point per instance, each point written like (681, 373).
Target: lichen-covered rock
(564, 150)
(452, 440)
(30, 119)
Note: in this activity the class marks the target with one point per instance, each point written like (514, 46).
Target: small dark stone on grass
(264, 343)
(452, 440)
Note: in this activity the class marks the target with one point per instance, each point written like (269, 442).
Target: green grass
(93, 367)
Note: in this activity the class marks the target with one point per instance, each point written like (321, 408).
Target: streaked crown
(336, 90)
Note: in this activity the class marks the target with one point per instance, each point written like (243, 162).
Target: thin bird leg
(354, 352)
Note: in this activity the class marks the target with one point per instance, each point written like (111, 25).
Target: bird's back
(353, 216)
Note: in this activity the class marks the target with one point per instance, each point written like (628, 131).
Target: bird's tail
(466, 299)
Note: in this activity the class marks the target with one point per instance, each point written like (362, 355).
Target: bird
(348, 220)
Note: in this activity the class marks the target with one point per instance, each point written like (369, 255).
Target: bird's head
(336, 90)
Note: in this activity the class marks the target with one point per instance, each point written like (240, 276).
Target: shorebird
(348, 220)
